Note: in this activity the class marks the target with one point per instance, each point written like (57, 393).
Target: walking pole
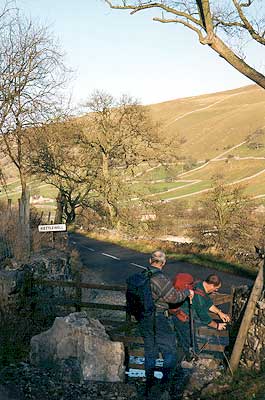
(192, 331)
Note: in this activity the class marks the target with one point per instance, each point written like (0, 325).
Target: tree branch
(180, 21)
(155, 5)
(205, 14)
(207, 22)
(246, 24)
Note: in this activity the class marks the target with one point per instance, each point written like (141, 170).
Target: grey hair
(158, 256)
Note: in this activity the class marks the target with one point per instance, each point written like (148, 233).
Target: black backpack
(139, 300)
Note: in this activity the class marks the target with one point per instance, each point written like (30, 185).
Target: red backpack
(183, 281)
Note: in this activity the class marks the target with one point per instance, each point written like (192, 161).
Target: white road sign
(52, 228)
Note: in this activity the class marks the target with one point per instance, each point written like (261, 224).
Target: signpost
(52, 228)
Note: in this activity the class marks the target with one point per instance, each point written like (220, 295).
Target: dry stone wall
(16, 280)
(253, 355)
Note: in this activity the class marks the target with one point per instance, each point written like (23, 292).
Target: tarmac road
(112, 264)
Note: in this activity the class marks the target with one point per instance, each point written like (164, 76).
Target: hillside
(213, 123)
(221, 132)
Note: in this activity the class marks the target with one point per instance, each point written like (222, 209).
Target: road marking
(137, 265)
(109, 255)
(88, 248)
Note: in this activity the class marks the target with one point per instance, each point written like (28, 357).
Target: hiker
(201, 305)
(157, 329)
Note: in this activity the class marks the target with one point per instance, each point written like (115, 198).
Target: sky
(119, 53)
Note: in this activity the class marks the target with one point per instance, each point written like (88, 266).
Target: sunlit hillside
(221, 133)
(213, 123)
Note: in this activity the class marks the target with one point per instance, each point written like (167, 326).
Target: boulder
(78, 337)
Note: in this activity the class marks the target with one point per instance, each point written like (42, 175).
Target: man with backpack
(155, 291)
(201, 305)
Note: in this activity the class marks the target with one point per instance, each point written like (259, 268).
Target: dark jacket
(200, 305)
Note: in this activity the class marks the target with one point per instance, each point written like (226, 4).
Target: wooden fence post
(232, 298)
(248, 315)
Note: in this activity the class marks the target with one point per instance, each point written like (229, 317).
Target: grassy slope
(210, 131)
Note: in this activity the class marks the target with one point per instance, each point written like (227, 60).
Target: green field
(152, 188)
(186, 191)
(231, 170)
(161, 172)
(13, 192)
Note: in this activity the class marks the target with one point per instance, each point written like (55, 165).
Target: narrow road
(111, 264)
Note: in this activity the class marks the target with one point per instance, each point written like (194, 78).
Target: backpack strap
(200, 292)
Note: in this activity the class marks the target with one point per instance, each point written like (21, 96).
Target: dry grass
(230, 117)
(12, 237)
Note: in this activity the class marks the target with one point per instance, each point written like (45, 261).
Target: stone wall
(253, 355)
(16, 279)
(7, 282)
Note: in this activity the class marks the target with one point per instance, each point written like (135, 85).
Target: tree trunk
(59, 209)
(105, 170)
(24, 215)
(225, 52)
(23, 185)
(105, 166)
(24, 223)
(70, 215)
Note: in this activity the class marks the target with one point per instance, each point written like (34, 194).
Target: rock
(69, 370)
(213, 389)
(204, 372)
(85, 339)
(209, 363)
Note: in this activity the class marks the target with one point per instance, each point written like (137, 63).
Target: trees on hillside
(31, 76)
(214, 22)
(225, 218)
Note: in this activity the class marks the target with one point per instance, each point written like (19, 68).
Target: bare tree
(31, 76)
(122, 135)
(214, 22)
(58, 157)
(225, 218)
